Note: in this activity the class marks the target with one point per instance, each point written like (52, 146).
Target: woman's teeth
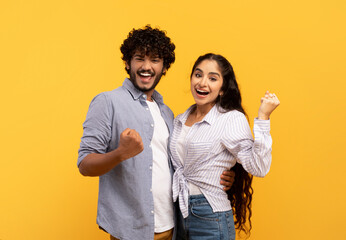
(201, 92)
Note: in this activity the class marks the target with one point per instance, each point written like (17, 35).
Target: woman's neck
(198, 113)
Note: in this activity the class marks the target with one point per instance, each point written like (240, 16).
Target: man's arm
(97, 164)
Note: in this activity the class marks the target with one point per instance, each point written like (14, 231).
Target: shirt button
(147, 109)
(150, 145)
(152, 212)
(150, 167)
(144, 96)
(151, 189)
(152, 125)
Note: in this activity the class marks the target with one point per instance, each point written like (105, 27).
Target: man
(125, 143)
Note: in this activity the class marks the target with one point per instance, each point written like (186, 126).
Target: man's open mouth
(146, 74)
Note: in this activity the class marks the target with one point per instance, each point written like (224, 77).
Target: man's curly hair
(148, 41)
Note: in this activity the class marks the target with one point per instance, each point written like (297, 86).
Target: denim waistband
(199, 196)
(197, 199)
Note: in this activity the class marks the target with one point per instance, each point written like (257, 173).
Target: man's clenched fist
(130, 143)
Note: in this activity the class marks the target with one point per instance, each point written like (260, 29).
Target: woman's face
(206, 83)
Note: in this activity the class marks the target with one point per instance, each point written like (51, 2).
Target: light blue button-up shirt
(125, 203)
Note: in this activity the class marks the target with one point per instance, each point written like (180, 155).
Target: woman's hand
(268, 103)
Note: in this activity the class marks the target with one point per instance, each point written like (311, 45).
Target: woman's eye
(198, 75)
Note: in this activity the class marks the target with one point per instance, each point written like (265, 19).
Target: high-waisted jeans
(203, 224)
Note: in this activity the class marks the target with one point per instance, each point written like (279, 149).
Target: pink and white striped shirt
(213, 145)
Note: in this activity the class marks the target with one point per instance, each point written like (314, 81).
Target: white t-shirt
(161, 181)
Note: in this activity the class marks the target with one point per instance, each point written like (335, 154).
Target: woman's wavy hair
(150, 42)
(240, 194)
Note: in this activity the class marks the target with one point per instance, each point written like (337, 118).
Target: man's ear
(127, 66)
(164, 70)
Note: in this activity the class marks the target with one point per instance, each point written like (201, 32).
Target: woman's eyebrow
(214, 73)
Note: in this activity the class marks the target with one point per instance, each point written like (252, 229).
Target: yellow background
(55, 56)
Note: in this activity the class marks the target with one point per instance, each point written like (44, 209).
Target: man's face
(145, 71)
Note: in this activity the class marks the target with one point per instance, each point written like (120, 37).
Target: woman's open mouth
(202, 92)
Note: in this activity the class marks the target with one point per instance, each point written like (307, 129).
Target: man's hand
(268, 103)
(227, 179)
(97, 164)
(130, 143)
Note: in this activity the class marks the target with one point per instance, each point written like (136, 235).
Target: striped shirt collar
(136, 94)
(210, 118)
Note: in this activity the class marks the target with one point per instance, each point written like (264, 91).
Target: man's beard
(143, 89)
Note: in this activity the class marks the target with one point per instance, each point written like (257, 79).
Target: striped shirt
(213, 145)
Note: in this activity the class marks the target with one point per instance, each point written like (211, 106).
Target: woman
(210, 137)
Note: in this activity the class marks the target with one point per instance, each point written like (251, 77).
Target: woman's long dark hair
(240, 195)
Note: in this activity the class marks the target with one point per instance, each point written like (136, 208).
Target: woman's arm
(254, 155)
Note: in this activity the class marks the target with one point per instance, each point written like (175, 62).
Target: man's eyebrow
(154, 56)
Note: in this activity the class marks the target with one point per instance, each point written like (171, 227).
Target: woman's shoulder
(178, 117)
(233, 114)
(184, 114)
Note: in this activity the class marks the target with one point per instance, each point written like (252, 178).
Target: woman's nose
(203, 82)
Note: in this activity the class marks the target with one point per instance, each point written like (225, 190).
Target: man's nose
(146, 65)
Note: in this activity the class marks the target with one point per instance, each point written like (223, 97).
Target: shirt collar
(136, 94)
(210, 118)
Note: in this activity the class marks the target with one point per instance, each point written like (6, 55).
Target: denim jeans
(203, 224)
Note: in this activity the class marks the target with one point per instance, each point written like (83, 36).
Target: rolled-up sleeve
(96, 128)
(254, 155)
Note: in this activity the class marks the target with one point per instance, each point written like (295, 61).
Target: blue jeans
(203, 224)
